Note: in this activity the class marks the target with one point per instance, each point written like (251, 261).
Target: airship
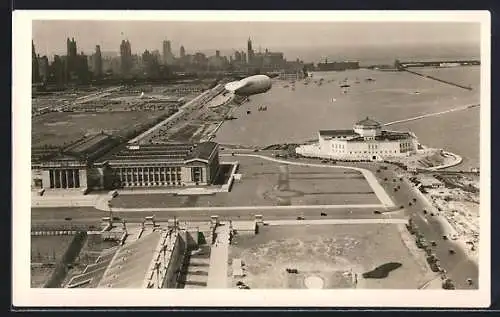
(248, 86)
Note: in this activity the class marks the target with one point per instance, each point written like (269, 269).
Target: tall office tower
(71, 47)
(43, 66)
(217, 54)
(168, 56)
(57, 70)
(126, 57)
(249, 51)
(35, 71)
(97, 62)
(182, 52)
(71, 60)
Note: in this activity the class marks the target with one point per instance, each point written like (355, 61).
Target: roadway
(458, 266)
(88, 215)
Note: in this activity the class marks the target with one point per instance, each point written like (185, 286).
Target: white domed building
(366, 141)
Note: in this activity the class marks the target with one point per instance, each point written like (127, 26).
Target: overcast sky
(50, 36)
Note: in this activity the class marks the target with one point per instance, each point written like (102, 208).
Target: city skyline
(49, 36)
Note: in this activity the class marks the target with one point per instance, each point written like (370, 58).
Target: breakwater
(439, 79)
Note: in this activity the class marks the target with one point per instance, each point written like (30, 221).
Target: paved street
(91, 215)
(458, 266)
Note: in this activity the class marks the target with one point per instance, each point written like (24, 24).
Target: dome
(368, 123)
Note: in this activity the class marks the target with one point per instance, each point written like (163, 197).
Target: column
(77, 178)
(74, 179)
(51, 178)
(60, 179)
(66, 175)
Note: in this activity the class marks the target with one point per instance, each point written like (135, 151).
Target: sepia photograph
(218, 158)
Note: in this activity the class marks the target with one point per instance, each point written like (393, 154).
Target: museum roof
(333, 133)
(367, 122)
(385, 136)
(164, 153)
(86, 149)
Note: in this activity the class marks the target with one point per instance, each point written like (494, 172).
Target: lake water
(296, 116)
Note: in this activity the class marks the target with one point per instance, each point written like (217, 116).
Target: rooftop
(334, 133)
(129, 267)
(172, 153)
(367, 122)
(84, 149)
(385, 136)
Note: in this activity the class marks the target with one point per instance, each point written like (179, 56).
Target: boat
(345, 86)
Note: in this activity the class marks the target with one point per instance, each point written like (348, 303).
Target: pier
(430, 115)
(438, 79)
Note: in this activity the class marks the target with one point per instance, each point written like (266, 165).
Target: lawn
(267, 183)
(330, 252)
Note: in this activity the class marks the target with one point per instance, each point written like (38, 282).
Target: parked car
(378, 212)
(300, 218)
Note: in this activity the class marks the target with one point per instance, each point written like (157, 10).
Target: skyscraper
(71, 60)
(168, 57)
(35, 72)
(71, 47)
(97, 61)
(43, 66)
(182, 52)
(126, 57)
(249, 51)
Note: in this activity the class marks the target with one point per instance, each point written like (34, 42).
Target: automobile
(116, 218)
(409, 204)
(454, 237)
(451, 251)
(425, 212)
(385, 179)
(445, 237)
(324, 161)
(432, 214)
(469, 281)
(414, 200)
(401, 178)
(68, 218)
(401, 207)
(256, 150)
(300, 218)
(378, 171)
(433, 243)
(323, 214)
(232, 154)
(239, 283)
(378, 212)
(395, 189)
